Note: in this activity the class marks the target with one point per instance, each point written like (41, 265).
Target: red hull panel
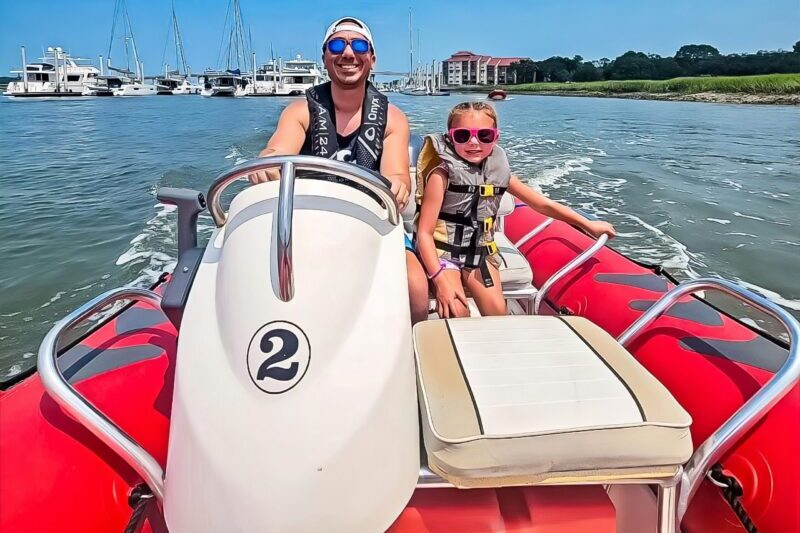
(56, 476)
(710, 383)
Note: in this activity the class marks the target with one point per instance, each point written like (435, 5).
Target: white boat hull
(135, 89)
(43, 90)
(224, 91)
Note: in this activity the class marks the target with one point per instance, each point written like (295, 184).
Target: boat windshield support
(740, 422)
(78, 407)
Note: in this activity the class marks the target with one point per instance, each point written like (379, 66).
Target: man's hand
(400, 192)
(263, 176)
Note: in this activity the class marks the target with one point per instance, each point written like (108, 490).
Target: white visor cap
(349, 24)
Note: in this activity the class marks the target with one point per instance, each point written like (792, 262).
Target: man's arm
(394, 160)
(287, 140)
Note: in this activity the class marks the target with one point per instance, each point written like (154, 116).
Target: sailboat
(230, 81)
(176, 81)
(122, 81)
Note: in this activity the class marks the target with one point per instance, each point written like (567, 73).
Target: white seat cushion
(525, 399)
(515, 272)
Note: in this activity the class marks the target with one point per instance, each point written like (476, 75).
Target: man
(349, 120)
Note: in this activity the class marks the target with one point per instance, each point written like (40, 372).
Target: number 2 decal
(286, 351)
(278, 357)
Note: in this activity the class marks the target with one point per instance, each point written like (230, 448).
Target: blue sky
(535, 28)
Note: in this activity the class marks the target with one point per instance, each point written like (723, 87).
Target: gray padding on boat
(415, 142)
(137, 318)
(82, 361)
(757, 352)
(649, 282)
(693, 310)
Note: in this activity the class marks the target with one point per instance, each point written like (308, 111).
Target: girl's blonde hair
(466, 107)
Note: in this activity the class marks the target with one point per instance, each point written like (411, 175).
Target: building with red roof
(467, 68)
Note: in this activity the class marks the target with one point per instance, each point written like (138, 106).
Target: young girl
(457, 214)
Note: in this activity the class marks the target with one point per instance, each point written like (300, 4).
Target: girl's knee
(495, 307)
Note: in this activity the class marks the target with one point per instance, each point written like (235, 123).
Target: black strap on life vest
(484, 191)
(322, 127)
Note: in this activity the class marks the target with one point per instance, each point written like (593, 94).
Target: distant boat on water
(231, 80)
(177, 81)
(57, 74)
(286, 78)
(122, 81)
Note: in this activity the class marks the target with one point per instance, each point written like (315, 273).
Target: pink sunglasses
(463, 135)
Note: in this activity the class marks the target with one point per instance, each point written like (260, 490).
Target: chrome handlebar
(289, 166)
(754, 409)
(79, 408)
(359, 175)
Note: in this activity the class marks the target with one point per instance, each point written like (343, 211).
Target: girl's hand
(451, 301)
(597, 227)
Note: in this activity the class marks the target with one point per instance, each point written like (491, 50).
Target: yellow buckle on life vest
(486, 190)
(491, 248)
(488, 224)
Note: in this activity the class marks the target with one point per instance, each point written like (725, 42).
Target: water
(699, 188)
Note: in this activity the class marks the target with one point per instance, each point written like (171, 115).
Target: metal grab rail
(533, 233)
(79, 408)
(721, 441)
(566, 269)
(359, 175)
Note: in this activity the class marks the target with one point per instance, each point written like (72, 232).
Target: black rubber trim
(658, 270)
(5, 385)
(464, 375)
(625, 383)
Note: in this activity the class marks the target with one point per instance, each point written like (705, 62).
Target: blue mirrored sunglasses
(338, 44)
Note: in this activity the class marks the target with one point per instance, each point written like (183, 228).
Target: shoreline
(766, 89)
(706, 97)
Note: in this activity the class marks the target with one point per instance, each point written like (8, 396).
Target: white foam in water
(751, 217)
(549, 176)
(236, 154)
(719, 221)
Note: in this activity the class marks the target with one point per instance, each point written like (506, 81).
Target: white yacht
(286, 78)
(57, 74)
(223, 83)
(173, 82)
(120, 82)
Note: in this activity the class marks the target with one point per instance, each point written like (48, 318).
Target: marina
(60, 75)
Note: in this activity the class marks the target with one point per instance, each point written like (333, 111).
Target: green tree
(587, 72)
(525, 71)
(692, 53)
(796, 47)
(632, 66)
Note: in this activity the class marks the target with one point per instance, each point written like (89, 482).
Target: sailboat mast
(410, 47)
(139, 73)
(181, 53)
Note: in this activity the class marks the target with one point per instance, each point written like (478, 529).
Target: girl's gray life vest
(470, 205)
